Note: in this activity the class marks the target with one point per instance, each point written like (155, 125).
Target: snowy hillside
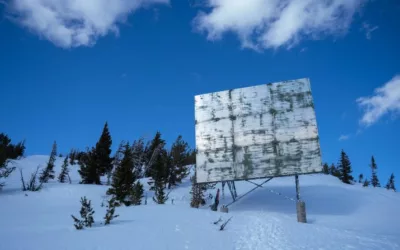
(340, 217)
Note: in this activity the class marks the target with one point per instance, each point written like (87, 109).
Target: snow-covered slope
(340, 217)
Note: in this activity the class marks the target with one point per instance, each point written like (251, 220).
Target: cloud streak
(74, 23)
(344, 137)
(386, 100)
(266, 24)
(368, 29)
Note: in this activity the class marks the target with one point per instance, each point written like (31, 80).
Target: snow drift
(339, 217)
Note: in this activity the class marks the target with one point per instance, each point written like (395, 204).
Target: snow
(339, 217)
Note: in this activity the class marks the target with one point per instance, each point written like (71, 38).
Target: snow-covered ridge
(340, 217)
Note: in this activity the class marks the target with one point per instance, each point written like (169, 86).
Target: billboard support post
(300, 205)
(296, 177)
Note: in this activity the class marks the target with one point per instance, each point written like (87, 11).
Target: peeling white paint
(255, 132)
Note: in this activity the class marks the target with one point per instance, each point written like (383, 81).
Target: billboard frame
(316, 139)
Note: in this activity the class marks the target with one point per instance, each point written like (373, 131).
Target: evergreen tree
(197, 193)
(344, 167)
(123, 177)
(31, 185)
(325, 168)
(190, 158)
(118, 156)
(360, 178)
(374, 178)
(157, 144)
(110, 211)
(64, 171)
(8, 151)
(160, 177)
(86, 213)
(178, 159)
(103, 151)
(366, 183)
(88, 168)
(139, 157)
(334, 171)
(159, 194)
(390, 184)
(137, 194)
(48, 173)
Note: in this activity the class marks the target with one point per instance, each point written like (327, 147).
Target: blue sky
(66, 68)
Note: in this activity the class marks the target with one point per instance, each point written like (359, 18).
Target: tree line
(343, 171)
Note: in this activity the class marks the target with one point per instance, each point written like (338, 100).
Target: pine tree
(118, 156)
(123, 177)
(197, 193)
(344, 167)
(177, 165)
(103, 151)
(8, 151)
(88, 168)
(48, 173)
(160, 178)
(86, 213)
(360, 178)
(334, 171)
(366, 183)
(325, 168)
(64, 171)
(139, 157)
(156, 144)
(137, 194)
(390, 184)
(110, 211)
(374, 178)
(159, 194)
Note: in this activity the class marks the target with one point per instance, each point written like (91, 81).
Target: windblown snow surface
(339, 217)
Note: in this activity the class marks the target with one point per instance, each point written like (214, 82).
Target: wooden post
(301, 212)
(301, 205)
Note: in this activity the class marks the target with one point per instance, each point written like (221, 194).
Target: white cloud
(263, 24)
(385, 101)
(368, 29)
(73, 23)
(344, 137)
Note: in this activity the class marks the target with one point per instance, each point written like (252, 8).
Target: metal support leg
(297, 187)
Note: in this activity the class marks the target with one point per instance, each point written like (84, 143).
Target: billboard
(255, 132)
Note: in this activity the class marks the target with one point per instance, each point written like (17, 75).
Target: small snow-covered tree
(374, 178)
(325, 168)
(32, 184)
(366, 182)
(137, 194)
(333, 170)
(110, 211)
(64, 171)
(390, 184)
(197, 193)
(360, 178)
(48, 172)
(8, 151)
(344, 167)
(86, 213)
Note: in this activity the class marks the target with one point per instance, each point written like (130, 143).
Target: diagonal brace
(258, 185)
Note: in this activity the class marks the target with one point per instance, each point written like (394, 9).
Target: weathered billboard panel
(256, 132)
